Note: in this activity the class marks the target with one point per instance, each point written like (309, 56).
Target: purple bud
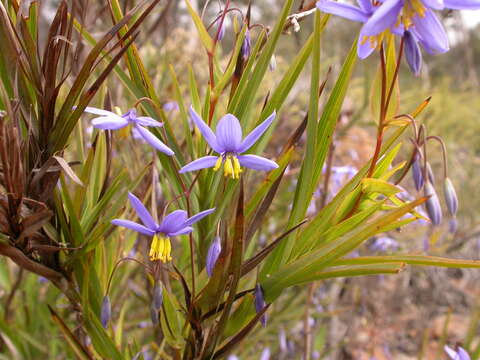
(260, 304)
(413, 53)
(431, 178)
(417, 173)
(154, 315)
(106, 311)
(213, 254)
(157, 296)
(221, 31)
(247, 45)
(450, 196)
(434, 210)
(265, 354)
(272, 65)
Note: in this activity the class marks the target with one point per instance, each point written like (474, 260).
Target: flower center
(412, 8)
(231, 165)
(160, 248)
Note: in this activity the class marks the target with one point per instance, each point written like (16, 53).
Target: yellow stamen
(237, 169)
(228, 167)
(218, 164)
(160, 249)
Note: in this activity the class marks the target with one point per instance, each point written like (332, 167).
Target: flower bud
(431, 178)
(246, 46)
(154, 315)
(272, 65)
(434, 210)
(106, 311)
(417, 173)
(260, 304)
(213, 254)
(221, 31)
(157, 296)
(412, 53)
(450, 196)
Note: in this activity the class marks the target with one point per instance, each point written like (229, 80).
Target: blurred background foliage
(409, 316)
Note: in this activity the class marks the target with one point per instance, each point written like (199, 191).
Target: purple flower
(170, 106)
(397, 16)
(111, 121)
(384, 244)
(213, 254)
(459, 354)
(174, 224)
(260, 303)
(228, 143)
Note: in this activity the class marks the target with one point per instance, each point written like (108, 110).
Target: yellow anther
(228, 167)
(237, 169)
(218, 164)
(160, 249)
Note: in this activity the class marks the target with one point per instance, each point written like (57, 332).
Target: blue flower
(111, 121)
(459, 354)
(398, 17)
(228, 143)
(174, 224)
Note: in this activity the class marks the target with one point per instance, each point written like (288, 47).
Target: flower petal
(462, 4)
(257, 162)
(384, 17)
(111, 122)
(365, 48)
(346, 11)
(173, 222)
(142, 212)
(133, 226)
(366, 6)
(431, 33)
(452, 353)
(434, 4)
(183, 231)
(197, 217)
(255, 134)
(229, 133)
(148, 121)
(201, 163)
(207, 133)
(154, 141)
(97, 111)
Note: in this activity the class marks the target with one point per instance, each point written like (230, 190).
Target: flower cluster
(227, 142)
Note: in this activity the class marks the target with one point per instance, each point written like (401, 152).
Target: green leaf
(202, 32)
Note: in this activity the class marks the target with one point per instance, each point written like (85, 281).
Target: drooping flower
(111, 121)
(417, 173)
(174, 224)
(213, 253)
(434, 209)
(450, 197)
(459, 354)
(260, 304)
(157, 296)
(105, 311)
(228, 143)
(170, 106)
